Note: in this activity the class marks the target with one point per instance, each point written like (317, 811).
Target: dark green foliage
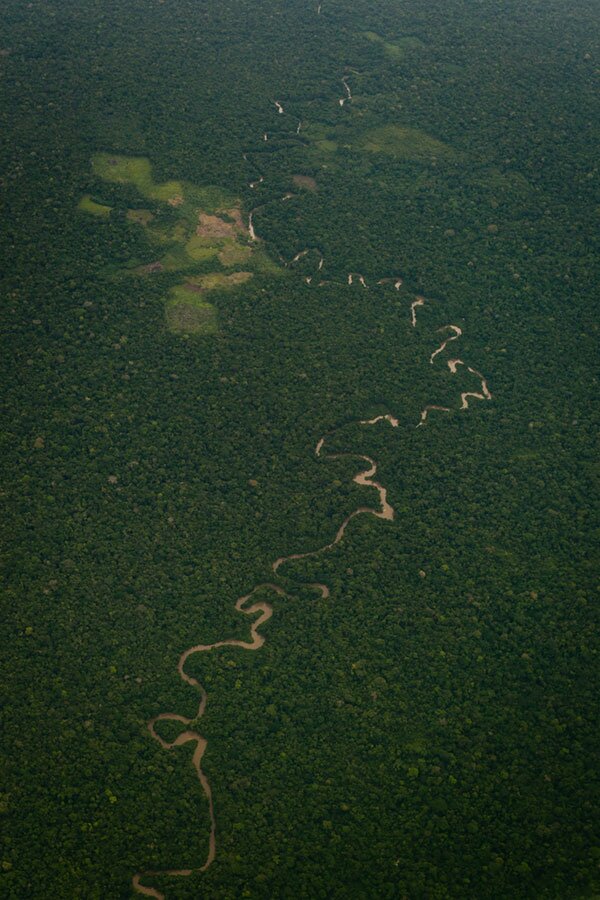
(420, 737)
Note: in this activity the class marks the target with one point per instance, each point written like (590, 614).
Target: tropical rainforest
(298, 570)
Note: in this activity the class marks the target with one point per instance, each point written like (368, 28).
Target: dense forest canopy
(217, 218)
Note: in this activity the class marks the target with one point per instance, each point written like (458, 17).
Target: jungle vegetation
(430, 730)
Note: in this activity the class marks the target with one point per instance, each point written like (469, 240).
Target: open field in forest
(189, 229)
(187, 313)
(404, 143)
(395, 49)
(88, 205)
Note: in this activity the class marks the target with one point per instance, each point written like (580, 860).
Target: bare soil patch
(234, 213)
(216, 281)
(150, 268)
(217, 228)
(239, 278)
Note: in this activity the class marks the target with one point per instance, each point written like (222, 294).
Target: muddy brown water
(420, 301)
(261, 610)
(453, 337)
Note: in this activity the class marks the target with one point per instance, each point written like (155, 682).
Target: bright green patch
(194, 207)
(395, 50)
(198, 249)
(87, 205)
(186, 310)
(178, 258)
(203, 225)
(137, 170)
(406, 143)
(168, 235)
(186, 313)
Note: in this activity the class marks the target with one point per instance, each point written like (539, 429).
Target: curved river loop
(260, 611)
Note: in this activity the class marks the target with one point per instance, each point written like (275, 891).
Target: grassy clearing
(320, 136)
(137, 170)
(210, 219)
(405, 143)
(233, 254)
(186, 310)
(90, 206)
(395, 50)
(264, 265)
(189, 314)
(219, 281)
(197, 249)
(204, 230)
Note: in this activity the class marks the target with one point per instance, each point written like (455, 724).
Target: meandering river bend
(259, 610)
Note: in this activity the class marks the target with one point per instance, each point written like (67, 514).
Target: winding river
(186, 737)
(453, 337)
(263, 611)
(259, 610)
(420, 301)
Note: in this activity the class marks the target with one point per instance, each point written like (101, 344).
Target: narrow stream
(420, 301)
(348, 96)
(453, 337)
(261, 611)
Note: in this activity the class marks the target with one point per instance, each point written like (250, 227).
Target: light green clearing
(406, 143)
(198, 249)
(234, 254)
(212, 212)
(188, 314)
(263, 264)
(87, 205)
(218, 281)
(398, 49)
(186, 310)
(320, 135)
(185, 249)
(137, 170)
